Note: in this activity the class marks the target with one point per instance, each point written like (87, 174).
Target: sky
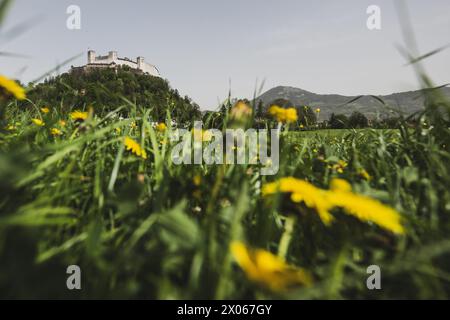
(207, 47)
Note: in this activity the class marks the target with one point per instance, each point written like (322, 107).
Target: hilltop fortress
(113, 61)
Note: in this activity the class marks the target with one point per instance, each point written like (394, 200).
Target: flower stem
(286, 237)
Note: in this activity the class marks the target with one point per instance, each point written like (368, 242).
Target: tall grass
(151, 229)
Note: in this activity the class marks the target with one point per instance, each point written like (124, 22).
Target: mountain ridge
(373, 106)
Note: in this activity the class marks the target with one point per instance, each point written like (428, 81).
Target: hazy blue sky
(199, 45)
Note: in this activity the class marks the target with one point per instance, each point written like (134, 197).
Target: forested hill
(106, 90)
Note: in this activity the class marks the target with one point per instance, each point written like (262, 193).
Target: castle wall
(148, 68)
(112, 57)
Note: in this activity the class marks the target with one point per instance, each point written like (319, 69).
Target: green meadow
(87, 178)
(141, 227)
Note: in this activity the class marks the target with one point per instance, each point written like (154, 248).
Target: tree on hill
(358, 120)
(259, 109)
(306, 116)
(106, 90)
(338, 121)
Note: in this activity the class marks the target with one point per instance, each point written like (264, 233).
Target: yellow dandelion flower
(45, 110)
(56, 132)
(340, 185)
(365, 209)
(161, 127)
(303, 192)
(283, 115)
(197, 180)
(318, 110)
(273, 110)
(134, 147)
(278, 113)
(241, 111)
(340, 166)
(202, 135)
(340, 195)
(291, 115)
(38, 122)
(343, 163)
(12, 87)
(268, 270)
(365, 175)
(197, 134)
(79, 115)
(207, 136)
(62, 123)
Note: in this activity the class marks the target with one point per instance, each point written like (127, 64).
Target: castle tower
(91, 56)
(140, 63)
(112, 55)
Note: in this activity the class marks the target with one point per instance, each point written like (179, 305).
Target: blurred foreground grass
(100, 191)
(146, 228)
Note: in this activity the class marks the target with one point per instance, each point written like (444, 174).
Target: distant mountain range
(404, 103)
